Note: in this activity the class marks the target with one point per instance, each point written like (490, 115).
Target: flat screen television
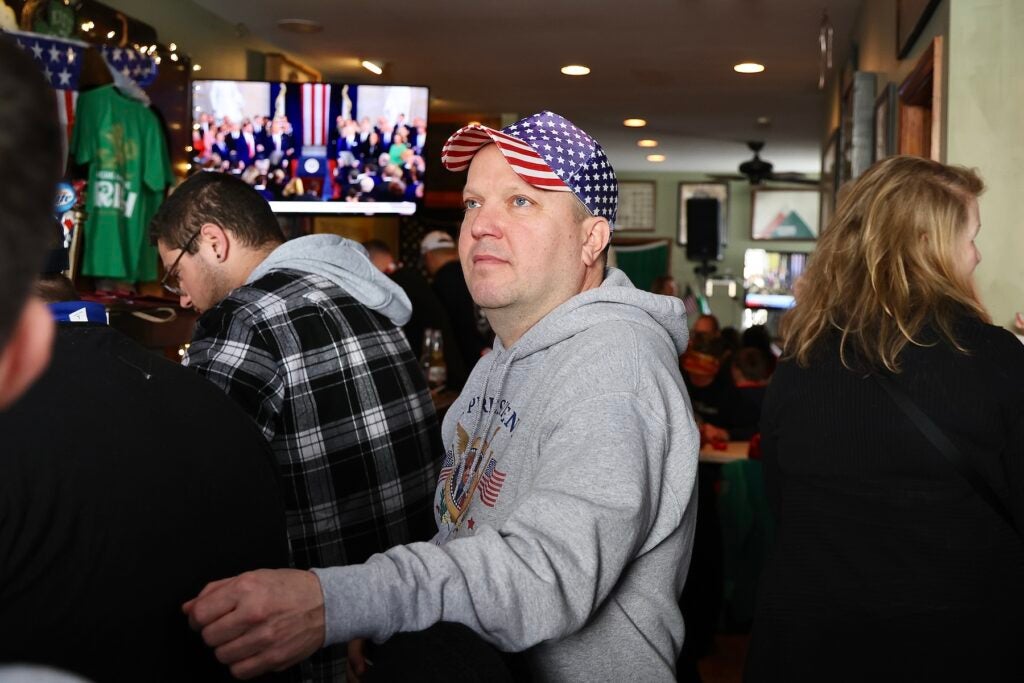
(315, 147)
(769, 276)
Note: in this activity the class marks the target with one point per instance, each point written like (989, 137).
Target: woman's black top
(887, 565)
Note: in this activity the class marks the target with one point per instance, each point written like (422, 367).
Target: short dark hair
(378, 246)
(28, 131)
(753, 364)
(215, 198)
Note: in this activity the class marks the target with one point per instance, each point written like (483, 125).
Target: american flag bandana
(547, 151)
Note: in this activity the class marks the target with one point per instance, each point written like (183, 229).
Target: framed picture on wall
(636, 206)
(719, 191)
(829, 154)
(885, 122)
(785, 214)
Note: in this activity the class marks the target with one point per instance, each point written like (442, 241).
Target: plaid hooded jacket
(339, 395)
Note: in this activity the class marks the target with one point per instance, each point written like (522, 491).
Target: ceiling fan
(757, 170)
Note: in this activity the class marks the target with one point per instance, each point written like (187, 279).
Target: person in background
(750, 370)
(566, 505)
(890, 561)
(427, 311)
(305, 336)
(28, 121)
(126, 484)
(665, 285)
(441, 259)
(758, 337)
(707, 325)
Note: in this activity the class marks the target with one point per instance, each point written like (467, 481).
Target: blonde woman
(889, 564)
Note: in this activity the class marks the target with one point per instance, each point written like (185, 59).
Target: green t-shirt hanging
(129, 170)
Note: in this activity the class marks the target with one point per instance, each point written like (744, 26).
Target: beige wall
(985, 120)
(206, 38)
(729, 312)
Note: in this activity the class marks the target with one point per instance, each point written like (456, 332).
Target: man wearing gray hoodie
(306, 336)
(565, 507)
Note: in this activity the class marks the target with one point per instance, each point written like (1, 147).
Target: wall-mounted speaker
(703, 242)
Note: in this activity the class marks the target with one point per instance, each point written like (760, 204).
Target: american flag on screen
(316, 101)
(61, 63)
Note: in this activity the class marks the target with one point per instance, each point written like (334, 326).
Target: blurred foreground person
(127, 482)
(27, 122)
(893, 439)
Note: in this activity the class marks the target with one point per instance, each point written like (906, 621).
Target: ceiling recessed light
(575, 70)
(647, 143)
(634, 123)
(749, 68)
(300, 26)
(370, 66)
(656, 158)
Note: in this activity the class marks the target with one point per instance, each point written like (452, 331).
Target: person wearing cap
(441, 259)
(565, 507)
(305, 335)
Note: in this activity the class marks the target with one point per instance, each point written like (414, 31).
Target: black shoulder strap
(949, 451)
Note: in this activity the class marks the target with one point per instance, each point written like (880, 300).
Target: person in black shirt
(127, 483)
(888, 564)
(441, 259)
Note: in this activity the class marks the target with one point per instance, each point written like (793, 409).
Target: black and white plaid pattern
(345, 407)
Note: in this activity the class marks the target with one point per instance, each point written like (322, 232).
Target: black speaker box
(702, 224)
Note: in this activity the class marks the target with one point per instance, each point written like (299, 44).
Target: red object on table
(754, 450)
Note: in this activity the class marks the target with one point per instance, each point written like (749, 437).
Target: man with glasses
(306, 336)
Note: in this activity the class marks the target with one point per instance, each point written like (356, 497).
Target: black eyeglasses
(170, 281)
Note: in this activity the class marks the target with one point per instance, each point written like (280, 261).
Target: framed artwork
(911, 18)
(829, 181)
(719, 191)
(886, 122)
(636, 206)
(785, 214)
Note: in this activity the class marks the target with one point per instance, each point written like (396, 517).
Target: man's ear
(597, 234)
(27, 352)
(218, 238)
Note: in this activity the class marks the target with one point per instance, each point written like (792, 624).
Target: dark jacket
(126, 484)
(887, 565)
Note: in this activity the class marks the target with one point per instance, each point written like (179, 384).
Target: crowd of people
(290, 495)
(367, 162)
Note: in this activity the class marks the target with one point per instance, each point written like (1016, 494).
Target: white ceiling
(668, 61)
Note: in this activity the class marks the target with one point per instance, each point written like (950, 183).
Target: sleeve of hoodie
(553, 561)
(230, 351)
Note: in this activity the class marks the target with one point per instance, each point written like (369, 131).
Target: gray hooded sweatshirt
(345, 263)
(566, 503)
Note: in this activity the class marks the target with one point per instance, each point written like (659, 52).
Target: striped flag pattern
(547, 151)
(316, 99)
(490, 483)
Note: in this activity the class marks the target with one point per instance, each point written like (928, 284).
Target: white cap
(437, 239)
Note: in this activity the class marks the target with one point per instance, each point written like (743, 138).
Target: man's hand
(355, 669)
(260, 621)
